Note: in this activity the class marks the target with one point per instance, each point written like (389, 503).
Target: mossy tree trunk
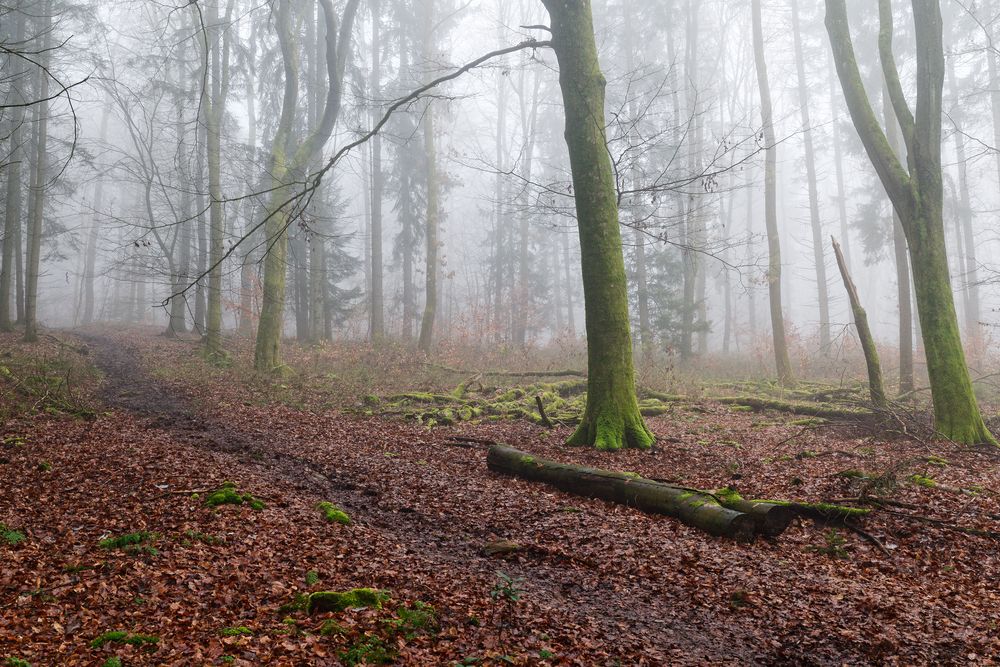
(289, 163)
(611, 419)
(781, 360)
(699, 509)
(916, 194)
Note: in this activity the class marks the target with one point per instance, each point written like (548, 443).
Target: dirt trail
(609, 604)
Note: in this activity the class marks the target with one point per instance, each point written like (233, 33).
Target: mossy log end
(695, 508)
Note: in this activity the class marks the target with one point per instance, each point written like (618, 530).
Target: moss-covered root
(337, 601)
(613, 426)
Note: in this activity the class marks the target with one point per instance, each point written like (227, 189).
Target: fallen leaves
(600, 582)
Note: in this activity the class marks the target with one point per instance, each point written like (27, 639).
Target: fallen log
(694, 507)
(807, 409)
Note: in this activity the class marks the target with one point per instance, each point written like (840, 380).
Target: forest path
(436, 522)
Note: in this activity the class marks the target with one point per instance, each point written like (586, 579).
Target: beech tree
(782, 363)
(611, 419)
(289, 160)
(916, 192)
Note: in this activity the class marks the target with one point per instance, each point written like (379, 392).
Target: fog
(113, 143)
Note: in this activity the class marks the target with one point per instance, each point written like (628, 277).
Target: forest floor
(138, 448)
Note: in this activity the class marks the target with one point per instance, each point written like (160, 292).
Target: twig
(869, 538)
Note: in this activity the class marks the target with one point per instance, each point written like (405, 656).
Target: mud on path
(617, 619)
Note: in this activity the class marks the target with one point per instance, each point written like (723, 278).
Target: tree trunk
(267, 355)
(698, 509)
(814, 219)
(970, 277)
(916, 194)
(838, 166)
(903, 290)
(39, 183)
(377, 299)
(13, 196)
(529, 117)
(875, 386)
(568, 274)
(782, 362)
(247, 259)
(611, 419)
(433, 194)
(217, 50)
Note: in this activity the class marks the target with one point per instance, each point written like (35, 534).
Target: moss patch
(132, 543)
(333, 513)
(10, 536)
(236, 631)
(337, 601)
(121, 637)
(227, 494)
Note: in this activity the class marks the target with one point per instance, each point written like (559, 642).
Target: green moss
(333, 513)
(113, 661)
(809, 421)
(204, 538)
(140, 542)
(338, 601)
(414, 620)
(10, 536)
(331, 627)
(312, 578)
(937, 461)
(852, 474)
(120, 637)
(371, 650)
(728, 495)
(740, 408)
(924, 481)
(227, 494)
(13, 661)
(236, 631)
(527, 460)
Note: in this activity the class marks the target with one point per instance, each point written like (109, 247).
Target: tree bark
(698, 509)
(611, 419)
(782, 362)
(39, 178)
(217, 58)
(267, 357)
(13, 195)
(970, 277)
(433, 195)
(875, 385)
(916, 194)
(814, 220)
(377, 298)
(903, 291)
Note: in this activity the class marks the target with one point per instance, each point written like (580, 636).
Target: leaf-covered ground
(591, 583)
